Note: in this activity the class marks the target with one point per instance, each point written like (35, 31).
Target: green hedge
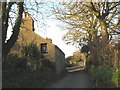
(104, 76)
(26, 69)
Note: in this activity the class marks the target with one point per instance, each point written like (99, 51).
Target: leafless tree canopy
(90, 22)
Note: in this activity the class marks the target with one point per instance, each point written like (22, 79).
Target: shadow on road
(78, 79)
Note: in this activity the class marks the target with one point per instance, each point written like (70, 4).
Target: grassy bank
(104, 77)
(14, 76)
(25, 73)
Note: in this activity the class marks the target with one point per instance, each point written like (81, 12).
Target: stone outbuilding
(46, 47)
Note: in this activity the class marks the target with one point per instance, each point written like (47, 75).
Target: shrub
(106, 74)
(115, 77)
(34, 64)
(103, 76)
(34, 58)
(26, 68)
(13, 61)
(31, 51)
(88, 62)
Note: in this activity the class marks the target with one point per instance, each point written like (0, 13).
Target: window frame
(43, 46)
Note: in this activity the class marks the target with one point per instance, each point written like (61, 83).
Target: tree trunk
(94, 48)
(9, 44)
(104, 34)
(95, 54)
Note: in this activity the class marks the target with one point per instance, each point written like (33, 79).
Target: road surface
(79, 79)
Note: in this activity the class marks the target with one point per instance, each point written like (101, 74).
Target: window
(44, 48)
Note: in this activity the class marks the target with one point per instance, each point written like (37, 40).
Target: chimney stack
(25, 15)
(48, 39)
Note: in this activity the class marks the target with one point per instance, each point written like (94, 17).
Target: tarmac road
(79, 79)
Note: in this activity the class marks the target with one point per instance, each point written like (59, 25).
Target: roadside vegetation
(94, 27)
(23, 66)
(27, 69)
(106, 74)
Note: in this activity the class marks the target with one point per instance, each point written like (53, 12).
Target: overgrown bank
(27, 69)
(106, 74)
(104, 77)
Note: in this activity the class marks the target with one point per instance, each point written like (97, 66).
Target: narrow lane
(79, 79)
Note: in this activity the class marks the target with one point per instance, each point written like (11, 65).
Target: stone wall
(27, 36)
(60, 60)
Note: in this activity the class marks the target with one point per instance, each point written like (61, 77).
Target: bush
(31, 51)
(13, 61)
(88, 62)
(103, 76)
(23, 78)
(115, 77)
(106, 73)
(34, 58)
(34, 64)
(26, 69)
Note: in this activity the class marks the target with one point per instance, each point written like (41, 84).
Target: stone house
(46, 47)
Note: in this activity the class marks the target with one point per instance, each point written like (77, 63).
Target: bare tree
(12, 16)
(95, 22)
(6, 7)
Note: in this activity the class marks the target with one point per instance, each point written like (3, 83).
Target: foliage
(16, 73)
(84, 19)
(13, 61)
(89, 23)
(35, 60)
(12, 19)
(28, 56)
(115, 77)
(106, 74)
(88, 62)
(107, 56)
(76, 57)
(24, 78)
(31, 51)
(85, 48)
(103, 76)
(76, 38)
(26, 67)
